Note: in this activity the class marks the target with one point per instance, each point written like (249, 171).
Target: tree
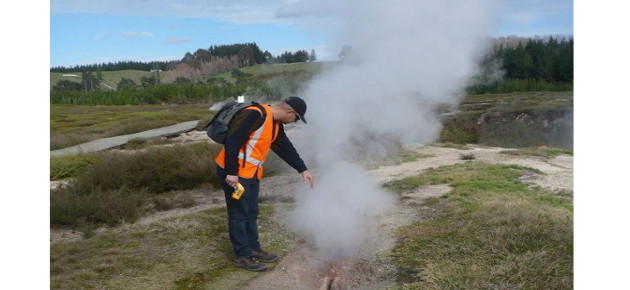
(301, 56)
(65, 85)
(99, 74)
(89, 81)
(246, 56)
(148, 81)
(126, 84)
(268, 56)
(313, 56)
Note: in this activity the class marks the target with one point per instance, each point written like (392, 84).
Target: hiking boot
(249, 264)
(264, 256)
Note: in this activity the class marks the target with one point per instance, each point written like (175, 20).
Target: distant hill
(110, 78)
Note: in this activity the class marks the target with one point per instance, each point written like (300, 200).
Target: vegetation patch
(467, 156)
(120, 187)
(462, 129)
(491, 231)
(188, 252)
(67, 166)
(75, 207)
(136, 143)
(541, 151)
(72, 125)
(511, 120)
(158, 169)
(452, 145)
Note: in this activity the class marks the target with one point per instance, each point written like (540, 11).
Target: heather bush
(159, 169)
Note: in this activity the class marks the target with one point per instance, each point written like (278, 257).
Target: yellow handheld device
(238, 191)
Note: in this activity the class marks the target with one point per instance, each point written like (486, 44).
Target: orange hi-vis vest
(257, 147)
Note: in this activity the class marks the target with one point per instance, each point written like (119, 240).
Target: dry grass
(189, 252)
(75, 124)
(491, 232)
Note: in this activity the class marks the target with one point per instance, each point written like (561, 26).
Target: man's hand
(306, 175)
(232, 180)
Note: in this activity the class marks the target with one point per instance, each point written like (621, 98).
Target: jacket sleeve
(283, 147)
(241, 127)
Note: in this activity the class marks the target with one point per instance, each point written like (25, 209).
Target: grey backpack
(218, 127)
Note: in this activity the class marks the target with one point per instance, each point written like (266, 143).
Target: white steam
(407, 57)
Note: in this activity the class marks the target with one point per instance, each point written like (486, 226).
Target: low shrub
(466, 156)
(70, 165)
(123, 186)
(136, 143)
(461, 129)
(78, 207)
(159, 169)
(162, 202)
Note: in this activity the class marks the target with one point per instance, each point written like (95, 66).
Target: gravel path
(107, 143)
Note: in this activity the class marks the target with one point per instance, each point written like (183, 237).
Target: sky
(89, 31)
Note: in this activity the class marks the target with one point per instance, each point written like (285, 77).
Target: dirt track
(373, 268)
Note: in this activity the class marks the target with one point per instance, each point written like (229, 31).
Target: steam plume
(407, 58)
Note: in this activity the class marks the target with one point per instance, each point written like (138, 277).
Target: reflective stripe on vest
(257, 149)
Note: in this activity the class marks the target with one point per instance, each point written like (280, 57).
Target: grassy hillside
(268, 71)
(110, 78)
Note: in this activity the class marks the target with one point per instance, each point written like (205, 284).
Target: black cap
(298, 105)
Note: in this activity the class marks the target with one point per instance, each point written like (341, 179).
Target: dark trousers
(242, 215)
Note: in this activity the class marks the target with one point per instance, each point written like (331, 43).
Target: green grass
(490, 232)
(413, 156)
(110, 78)
(75, 124)
(188, 252)
(541, 151)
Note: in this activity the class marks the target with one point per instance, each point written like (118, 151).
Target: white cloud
(136, 34)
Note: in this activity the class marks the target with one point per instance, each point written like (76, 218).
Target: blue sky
(88, 31)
